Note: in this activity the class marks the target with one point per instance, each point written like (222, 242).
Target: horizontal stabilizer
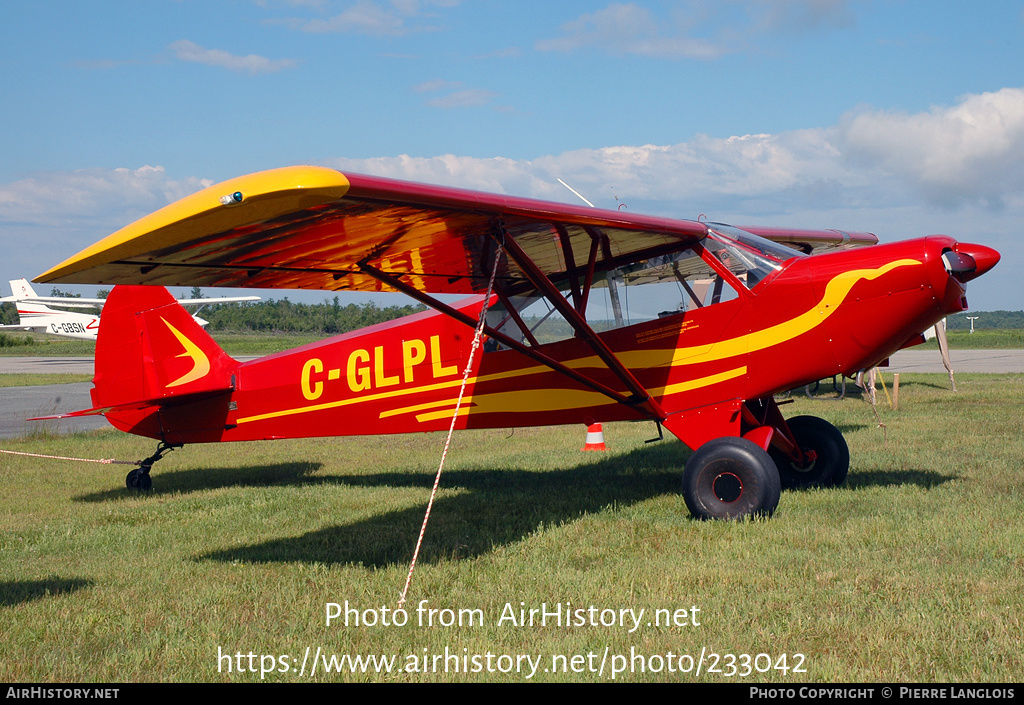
(154, 404)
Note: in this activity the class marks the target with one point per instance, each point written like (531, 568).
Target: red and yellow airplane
(759, 317)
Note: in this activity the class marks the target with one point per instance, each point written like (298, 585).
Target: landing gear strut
(139, 479)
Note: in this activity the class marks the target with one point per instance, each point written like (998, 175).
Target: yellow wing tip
(156, 229)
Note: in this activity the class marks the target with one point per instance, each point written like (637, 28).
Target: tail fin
(31, 315)
(149, 348)
(21, 289)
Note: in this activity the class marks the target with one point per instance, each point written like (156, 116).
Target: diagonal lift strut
(639, 398)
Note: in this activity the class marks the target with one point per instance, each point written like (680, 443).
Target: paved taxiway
(20, 403)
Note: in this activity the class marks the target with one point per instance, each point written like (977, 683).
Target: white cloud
(455, 95)
(470, 98)
(630, 29)
(436, 85)
(496, 174)
(956, 169)
(252, 63)
(796, 16)
(105, 198)
(967, 156)
(376, 19)
(365, 17)
(698, 29)
(971, 152)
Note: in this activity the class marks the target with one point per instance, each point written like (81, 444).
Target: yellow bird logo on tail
(200, 362)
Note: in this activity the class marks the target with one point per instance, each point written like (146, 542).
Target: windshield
(764, 246)
(750, 257)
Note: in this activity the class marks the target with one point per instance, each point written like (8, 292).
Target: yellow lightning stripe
(200, 362)
(697, 383)
(835, 293)
(356, 400)
(463, 411)
(421, 407)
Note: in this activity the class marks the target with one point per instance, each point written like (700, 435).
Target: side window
(641, 291)
(683, 277)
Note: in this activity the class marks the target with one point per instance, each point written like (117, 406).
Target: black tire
(730, 478)
(137, 480)
(832, 463)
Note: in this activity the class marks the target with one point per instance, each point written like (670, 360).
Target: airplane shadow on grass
(15, 592)
(496, 508)
(925, 479)
(202, 479)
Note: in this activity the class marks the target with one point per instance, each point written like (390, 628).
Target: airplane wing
(813, 241)
(317, 228)
(76, 302)
(63, 301)
(217, 300)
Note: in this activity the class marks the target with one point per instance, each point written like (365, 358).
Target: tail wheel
(138, 480)
(730, 478)
(830, 466)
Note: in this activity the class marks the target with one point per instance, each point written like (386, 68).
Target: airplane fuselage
(816, 317)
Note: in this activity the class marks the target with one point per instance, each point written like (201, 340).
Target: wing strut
(531, 353)
(640, 396)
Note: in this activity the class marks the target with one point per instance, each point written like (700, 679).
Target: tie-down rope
(104, 461)
(451, 429)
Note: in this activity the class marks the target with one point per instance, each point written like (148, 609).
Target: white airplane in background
(35, 314)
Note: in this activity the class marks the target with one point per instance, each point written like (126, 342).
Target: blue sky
(902, 118)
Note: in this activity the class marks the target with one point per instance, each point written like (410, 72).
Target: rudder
(150, 348)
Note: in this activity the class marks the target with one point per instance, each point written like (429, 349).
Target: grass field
(43, 345)
(33, 379)
(912, 571)
(983, 339)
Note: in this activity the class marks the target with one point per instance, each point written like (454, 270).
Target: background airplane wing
(63, 301)
(217, 300)
(316, 228)
(814, 241)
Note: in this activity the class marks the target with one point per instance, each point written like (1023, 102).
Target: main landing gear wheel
(830, 466)
(138, 480)
(730, 478)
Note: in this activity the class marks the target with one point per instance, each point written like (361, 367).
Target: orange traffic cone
(595, 438)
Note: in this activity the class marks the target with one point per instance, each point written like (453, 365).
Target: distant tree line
(329, 318)
(986, 319)
(333, 318)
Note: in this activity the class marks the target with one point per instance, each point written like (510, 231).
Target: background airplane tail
(150, 349)
(29, 314)
(21, 289)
